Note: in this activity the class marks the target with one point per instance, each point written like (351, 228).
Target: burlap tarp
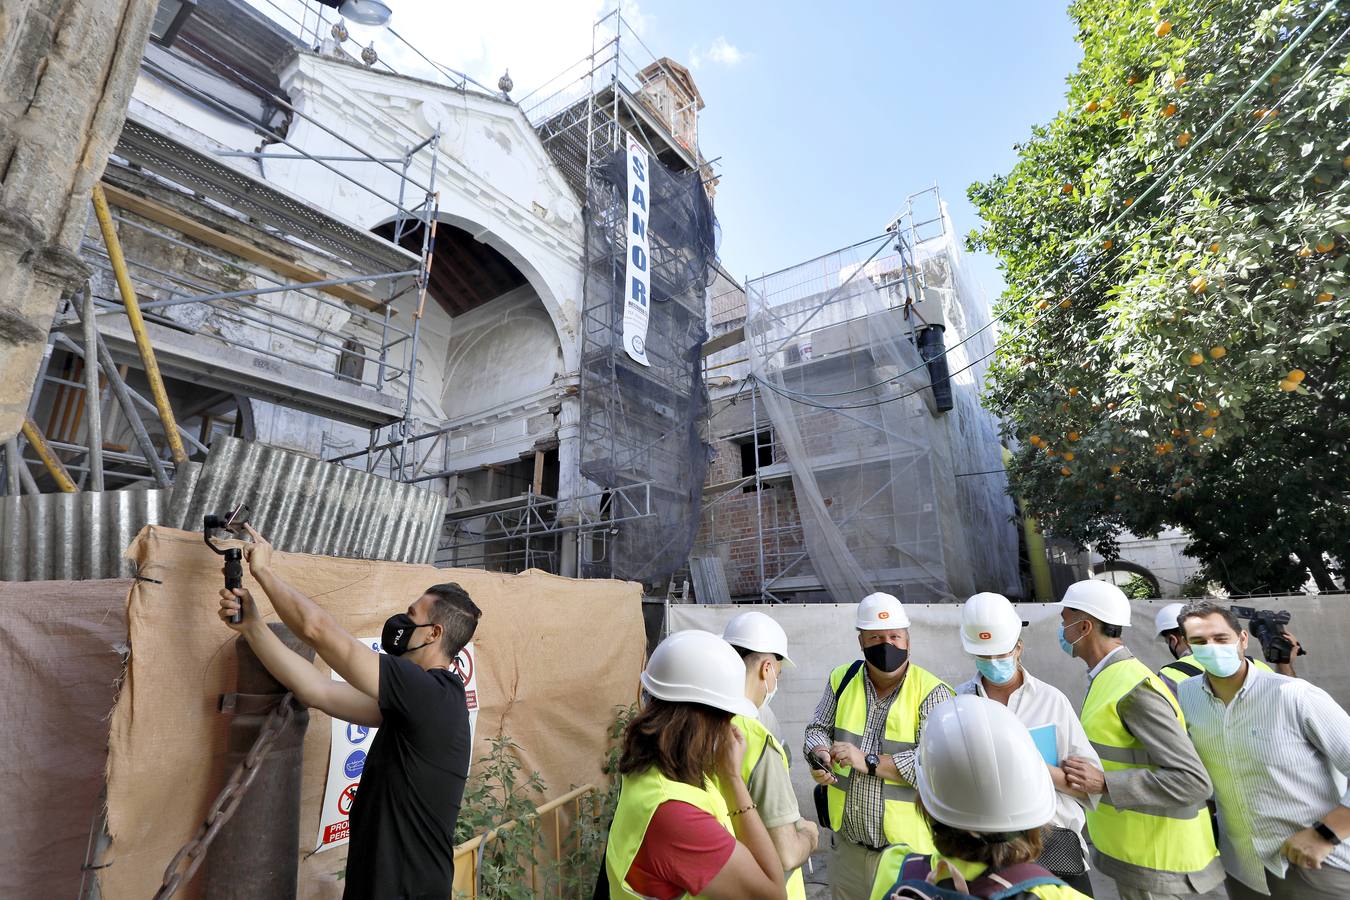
(60, 658)
(555, 657)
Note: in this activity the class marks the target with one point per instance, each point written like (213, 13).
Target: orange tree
(1173, 340)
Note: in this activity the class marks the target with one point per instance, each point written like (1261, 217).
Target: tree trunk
(1312, 558)
(67, 68)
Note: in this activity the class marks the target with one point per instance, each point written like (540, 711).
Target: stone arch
(1124, 565)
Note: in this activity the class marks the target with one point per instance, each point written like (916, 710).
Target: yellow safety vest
(1174, 670)
(758, 740)
(901, 823)
(888, 870)
(1179, 841)
(639, 796)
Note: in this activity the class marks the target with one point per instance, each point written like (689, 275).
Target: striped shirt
(864, 808)
(1279, 756)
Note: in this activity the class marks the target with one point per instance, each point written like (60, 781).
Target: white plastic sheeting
(893, 493)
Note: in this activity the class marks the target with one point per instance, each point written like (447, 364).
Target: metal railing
(469, 855)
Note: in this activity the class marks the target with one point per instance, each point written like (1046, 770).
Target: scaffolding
(195, 201)
(872, 468)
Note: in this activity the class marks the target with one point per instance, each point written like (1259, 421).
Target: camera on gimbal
(233, 523)
(1267, 626)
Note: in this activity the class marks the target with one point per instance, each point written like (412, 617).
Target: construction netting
(640, 425)
(897, 469)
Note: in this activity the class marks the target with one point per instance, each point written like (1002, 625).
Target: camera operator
(1278, 643)
(403, 818)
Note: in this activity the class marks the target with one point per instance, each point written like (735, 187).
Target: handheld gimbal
(234, 566)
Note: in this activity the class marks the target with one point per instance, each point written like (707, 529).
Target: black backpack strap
(849, 675)
(1190, 669)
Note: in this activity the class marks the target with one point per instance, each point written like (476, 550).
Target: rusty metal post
(256, 855)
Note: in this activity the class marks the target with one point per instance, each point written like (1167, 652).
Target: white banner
(637, 281)
(351, 744)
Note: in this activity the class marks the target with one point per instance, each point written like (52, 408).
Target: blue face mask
(999, 671)
(1219, 660)
(1064, 643)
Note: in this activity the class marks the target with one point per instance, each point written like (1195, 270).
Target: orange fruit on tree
(1110, 406)
(1073, 435)
(1108, 244)
(1195, 359)
(1169, 110)
(1176, 432)
(1183, 139)
(1129, 201)
(1326, 246)
(1325, 297)
(1164, 28)
(1068, 456)
(1178, 81)
(1209, 432)
(1115, 470)
(1214, 413)
(1091, 106)
(1034, 440)
(1064, 470)
(1199, 406)
(1286, 385)
(1218, 352)
(1050, 451)
(1296, 376)
(1073, 392)
(1304, 252)
(1043, 305)
(1066, 188)
(1289, 284)
(1199, 284)
(1214, 248)
(1132, 80)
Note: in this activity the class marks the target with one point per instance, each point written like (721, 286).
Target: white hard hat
(980, 770)
(989, 625)
(1099, 599)
(1166, 619)
(698, 667)
(881, 612)
(757, 632)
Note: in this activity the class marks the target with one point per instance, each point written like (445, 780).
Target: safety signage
(350, 748)
(637, 276)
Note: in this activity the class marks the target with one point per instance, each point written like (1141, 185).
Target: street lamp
(362, 12)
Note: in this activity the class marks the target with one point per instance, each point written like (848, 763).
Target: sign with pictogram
(346, 761)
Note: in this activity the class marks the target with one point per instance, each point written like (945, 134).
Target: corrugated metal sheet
(67, 537)
(305, 505)
(302, 505)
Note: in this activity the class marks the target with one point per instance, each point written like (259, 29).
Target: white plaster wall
(494, 178)
(501, 351)
(1164, 556)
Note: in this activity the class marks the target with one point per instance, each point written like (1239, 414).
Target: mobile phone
(238, 517)
(816, 763)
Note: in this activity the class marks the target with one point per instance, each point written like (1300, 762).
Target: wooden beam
(539, 471)
(723, 341)
(200, 231)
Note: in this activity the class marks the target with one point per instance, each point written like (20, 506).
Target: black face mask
(886, 657)
(397, 632)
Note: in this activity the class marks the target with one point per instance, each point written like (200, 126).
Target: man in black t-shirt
(403, 818)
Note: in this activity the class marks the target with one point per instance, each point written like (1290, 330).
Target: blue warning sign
(354, 764)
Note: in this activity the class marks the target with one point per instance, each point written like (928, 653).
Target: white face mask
(768, 695)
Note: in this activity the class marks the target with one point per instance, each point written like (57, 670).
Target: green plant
(573, 877)
(1138, 588)
(1176, 245)
(503, 792)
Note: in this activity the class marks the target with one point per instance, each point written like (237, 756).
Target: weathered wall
(821, 636)
(66, 72)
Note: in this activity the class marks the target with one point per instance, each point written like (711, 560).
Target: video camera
(1267, 626)
(234, 567)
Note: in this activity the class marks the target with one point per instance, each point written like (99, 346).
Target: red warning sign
(338, 831)
(463, 666)
(347, 797)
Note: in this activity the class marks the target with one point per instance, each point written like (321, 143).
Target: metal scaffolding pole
(92, 402)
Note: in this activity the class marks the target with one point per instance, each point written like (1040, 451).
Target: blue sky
(829, 119)
(825, 115)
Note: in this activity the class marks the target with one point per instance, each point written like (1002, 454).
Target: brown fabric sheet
(60, 660)
(555, 656)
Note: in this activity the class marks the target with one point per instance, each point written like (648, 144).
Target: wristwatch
(872, 759)
(1327, 834)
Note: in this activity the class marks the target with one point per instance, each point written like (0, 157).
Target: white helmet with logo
(881, 612)
(979, 770)
(989, 625)
(757, 632)
(1100, 599)
(698, 667)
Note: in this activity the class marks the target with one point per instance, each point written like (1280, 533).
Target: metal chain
(227, 801)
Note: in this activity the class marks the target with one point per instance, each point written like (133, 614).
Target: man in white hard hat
(762, 644)
(1151, 829)
(861, 743)
(987, 794)
(991, 632)
(1166, 623)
